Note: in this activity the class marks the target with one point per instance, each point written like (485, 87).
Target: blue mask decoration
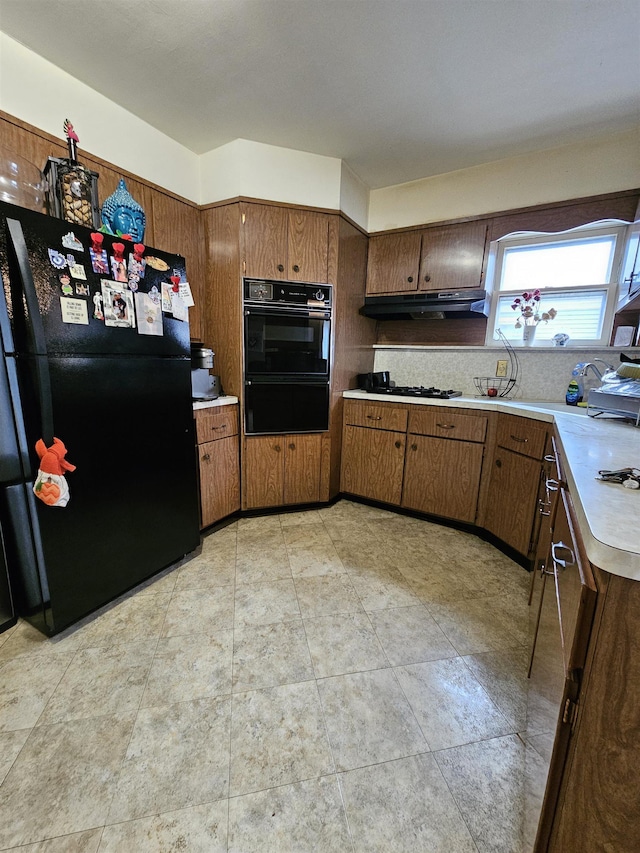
(122, 214)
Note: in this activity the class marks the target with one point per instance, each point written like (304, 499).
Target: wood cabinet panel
(521, 435)
(373, 463)
(442, 477)
(380, 416)
(307, 246)
(219, 479)
(512, 497)
(444, 423)
(394, 263)
(215, 423)
(264, 240)
(302, 467)
(452, 256)
(263, 471)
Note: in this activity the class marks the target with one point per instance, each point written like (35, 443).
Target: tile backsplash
(544, 373)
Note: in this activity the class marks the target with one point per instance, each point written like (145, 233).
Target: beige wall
(597, 166)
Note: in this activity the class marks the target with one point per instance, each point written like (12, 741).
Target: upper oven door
(286, 343)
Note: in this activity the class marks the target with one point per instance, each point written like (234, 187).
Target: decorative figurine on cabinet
(122, 216)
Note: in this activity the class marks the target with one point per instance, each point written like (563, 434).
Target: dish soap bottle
(575, 391)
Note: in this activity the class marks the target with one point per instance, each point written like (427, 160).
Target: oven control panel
(289, 293)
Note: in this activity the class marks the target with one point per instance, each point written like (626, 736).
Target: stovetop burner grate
(416, 391)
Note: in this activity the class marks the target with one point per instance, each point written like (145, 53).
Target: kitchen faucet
(582, 369)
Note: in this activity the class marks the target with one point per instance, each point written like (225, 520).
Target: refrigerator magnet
(98, 314)
(70, 241)
(57, 260)
(82, 289)
(136, 262)
(118, 306)
(185, 294)
(157, 264)
(149, 315)
(74, 311)
(78, 271)
(134, 282)
(98, 255)
(154, 295)
(166, 296)
(118, 263)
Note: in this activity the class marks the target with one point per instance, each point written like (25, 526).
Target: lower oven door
(283, 407)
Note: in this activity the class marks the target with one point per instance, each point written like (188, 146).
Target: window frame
(615, 228)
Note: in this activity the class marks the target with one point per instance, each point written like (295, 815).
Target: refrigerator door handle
(17, 246)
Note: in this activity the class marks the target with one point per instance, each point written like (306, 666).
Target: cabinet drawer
(216, 423)
(375, 416)
(445, 424)
(521, 436)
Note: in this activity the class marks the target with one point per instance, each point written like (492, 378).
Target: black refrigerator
(95, 353)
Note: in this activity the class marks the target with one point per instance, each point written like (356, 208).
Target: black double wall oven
(287, 348)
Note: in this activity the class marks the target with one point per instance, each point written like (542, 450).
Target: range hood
(428, 305)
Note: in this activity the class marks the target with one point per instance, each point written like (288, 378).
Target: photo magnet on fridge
(118, 305)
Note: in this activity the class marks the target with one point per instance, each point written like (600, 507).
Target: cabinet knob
(296, 268)
(292, 446)
(280, 267)
(427, 278)
(414, 446)
(410, 279)
(277, 448)
(498, 463)
(206, 457)
(398, 444)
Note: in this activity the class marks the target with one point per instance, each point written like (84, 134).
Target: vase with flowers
(528, 304)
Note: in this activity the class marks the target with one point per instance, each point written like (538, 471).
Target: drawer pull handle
(552, 485)
(206, 457)
(550, 458)
(562, 555)
(446, 426)
(517, 438)
(398, 444)
(223, 426)
(374, 417)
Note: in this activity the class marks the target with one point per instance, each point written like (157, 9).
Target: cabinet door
(263, 471)
(219, 479)
(394, 263)
(373, 463)
(302, 460)
(308, 246)
(442, 477)
(512, 498)
(264, 244)
(452, 256)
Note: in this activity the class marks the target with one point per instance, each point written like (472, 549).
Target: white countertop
(220, 401)
(608, 514)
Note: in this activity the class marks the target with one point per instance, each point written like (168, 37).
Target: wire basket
(493, 386)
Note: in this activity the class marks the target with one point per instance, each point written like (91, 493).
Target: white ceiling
(399, 89)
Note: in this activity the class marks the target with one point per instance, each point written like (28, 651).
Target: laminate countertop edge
(607, 513)
(210, 404)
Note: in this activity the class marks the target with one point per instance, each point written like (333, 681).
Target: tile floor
(343, 679)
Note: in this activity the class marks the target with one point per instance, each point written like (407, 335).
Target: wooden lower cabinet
(281, 470)
(513, 493)
(218, 462)
(373, 463)
(219, 479)
(442, 477)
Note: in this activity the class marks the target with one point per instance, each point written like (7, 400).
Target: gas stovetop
(416, 391)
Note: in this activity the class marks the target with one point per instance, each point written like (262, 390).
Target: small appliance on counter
(619, 394)
(374, 381)
(204, 385)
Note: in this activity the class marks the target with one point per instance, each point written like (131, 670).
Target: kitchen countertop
(208, 404)
(607, 513)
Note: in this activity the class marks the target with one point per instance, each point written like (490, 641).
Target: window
(575, 273)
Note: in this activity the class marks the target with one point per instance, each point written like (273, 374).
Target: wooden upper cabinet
(308, 246)
(453, 256)
(264, 240)
(394, 263)
(286, 245)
